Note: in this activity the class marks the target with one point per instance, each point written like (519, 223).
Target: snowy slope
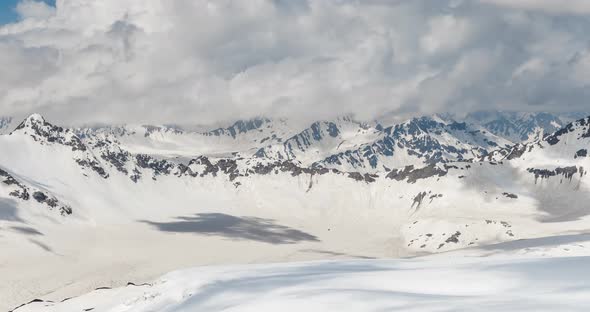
(464, 284)
(123, 192)
(119, 184)
(116, 178)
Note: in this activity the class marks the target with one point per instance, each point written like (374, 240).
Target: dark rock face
(581, 153)
(135, 175)
(414, 175)
(510, 195)
(508, 153)
(458, 126)
(22, 192)
(517, 152)
(333, 130)
(357, 176)
(417, 201)
(41, 130)
(567, 172)
(93, 165)
(40, 197)
(118, 159)
(8, 179)
(209, 167)
(294, 169)
(454, 238)
(229, 167)
(542, 173)
(491, 143)
(159, 167)
(149, 130)
(417, 138)
(268, 168)
(240, 126)
(370, 177)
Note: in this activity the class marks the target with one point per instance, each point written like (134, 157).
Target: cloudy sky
(197, 61)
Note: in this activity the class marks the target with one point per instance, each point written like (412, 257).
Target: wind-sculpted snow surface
(508, 284)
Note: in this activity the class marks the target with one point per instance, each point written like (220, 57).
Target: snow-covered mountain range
(248, 151)
(518, 127)
(338, 187)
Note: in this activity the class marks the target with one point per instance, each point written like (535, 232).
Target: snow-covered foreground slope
(444, 283)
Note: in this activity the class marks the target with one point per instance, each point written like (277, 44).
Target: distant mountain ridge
(344, 144)
(358, 150)
(5, 124)
(519, 126)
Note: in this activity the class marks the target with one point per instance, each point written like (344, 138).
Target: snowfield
(448, 283)
(86, 209)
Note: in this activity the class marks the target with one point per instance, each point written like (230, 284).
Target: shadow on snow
(232, 227)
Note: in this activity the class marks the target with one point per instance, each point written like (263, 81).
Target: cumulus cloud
(198, 61)
(34, 9)
(446, 33)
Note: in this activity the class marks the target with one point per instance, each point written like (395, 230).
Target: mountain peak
(35, 118)
(34, 121)
(44, 132)
(241, 126)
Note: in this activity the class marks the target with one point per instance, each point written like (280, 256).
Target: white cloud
(446, 33)
(34, 9)
(580, 65)
(194, 61)
(580, 7)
